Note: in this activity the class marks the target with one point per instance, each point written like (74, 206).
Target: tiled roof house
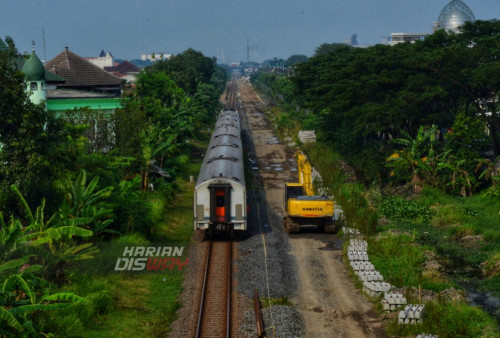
(125, 67)
(81, 74)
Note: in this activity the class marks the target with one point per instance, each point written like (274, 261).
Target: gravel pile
(251, 263)
(286, 320)
(248, 327)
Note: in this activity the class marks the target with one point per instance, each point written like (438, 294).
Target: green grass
(399, 258)
(142, 304)
(145, 305)
(447, 319)
(454, 220)
(174, 217)
(267, 302)
(479, 213)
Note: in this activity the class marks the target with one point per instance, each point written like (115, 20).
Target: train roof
(224, 156)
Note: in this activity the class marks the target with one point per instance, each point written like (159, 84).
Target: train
(220, 203)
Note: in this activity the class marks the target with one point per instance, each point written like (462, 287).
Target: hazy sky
(220, 28)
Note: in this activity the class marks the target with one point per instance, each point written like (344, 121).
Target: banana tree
(85, 202)
(415, 152)
(22, 292)
(461, 179)
(51, 241)
(19, 300)
(156, 141)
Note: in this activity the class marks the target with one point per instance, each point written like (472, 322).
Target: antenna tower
(248, 50)
(44, 50)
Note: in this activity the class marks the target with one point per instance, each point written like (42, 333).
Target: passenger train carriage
(220, 191)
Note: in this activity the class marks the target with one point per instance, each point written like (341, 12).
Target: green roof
(33, 69)
(49, 76)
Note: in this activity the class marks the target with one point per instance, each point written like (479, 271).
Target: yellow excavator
(302, 207)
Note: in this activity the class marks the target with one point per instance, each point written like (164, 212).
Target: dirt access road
(328, 301)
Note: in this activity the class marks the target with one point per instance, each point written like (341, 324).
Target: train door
(220, 204)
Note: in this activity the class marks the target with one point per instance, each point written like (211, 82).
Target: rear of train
(220, 191)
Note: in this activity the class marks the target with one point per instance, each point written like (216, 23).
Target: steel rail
(229, 281)
(203, 290)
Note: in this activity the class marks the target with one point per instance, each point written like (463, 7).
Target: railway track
(214, 317)
(231, 94)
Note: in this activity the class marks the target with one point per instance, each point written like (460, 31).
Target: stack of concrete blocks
(393, 300)
(359, 244)
(370, 275)
(362, 266)
(356, 251)
(412, 314)
(290, 142)
(307, 136)
(375, 289)
(350, 231)
(424, 335)
(373, 284)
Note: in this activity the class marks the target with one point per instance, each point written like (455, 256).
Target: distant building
(125, 70)
(156, 56)
(353, 41)
(452, 16)
(103, 60)
(405, 37)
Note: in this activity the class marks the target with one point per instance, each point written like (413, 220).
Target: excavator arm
(305, 171)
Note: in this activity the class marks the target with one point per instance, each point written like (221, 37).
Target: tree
(295, 59)
(327, 48)
(468, 64)
(187, 69)
(158, 85)
(37, 150)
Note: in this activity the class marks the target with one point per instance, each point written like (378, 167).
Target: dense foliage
(424, 113)
(71, 182)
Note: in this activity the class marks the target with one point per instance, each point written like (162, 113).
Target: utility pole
(44, 50)
(248, 50)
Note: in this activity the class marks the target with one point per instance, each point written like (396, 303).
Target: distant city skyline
(218, 28)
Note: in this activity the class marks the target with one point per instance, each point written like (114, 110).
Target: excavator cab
(293, 190)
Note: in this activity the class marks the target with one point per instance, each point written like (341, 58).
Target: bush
(133, 213)
(77, 318)
(401, 209)
(458, 320)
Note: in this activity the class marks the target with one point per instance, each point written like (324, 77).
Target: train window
(219, 198)
(219, 202)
